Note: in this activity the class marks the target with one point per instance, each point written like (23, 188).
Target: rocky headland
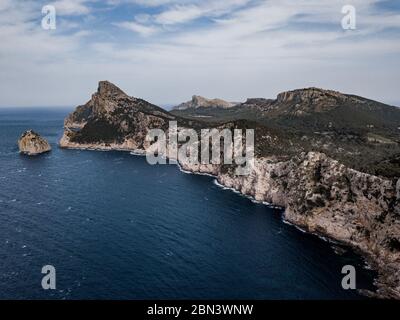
(319, 193)
(31, 143)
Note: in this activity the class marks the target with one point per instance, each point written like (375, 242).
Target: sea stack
(31, 143)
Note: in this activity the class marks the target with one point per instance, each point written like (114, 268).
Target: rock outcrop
(201, 102)
(31, 143)
(305, 102)
(319, 194)
(113, 118)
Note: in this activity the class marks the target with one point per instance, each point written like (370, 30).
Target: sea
(114, 227)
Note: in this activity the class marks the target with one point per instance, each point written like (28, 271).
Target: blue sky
(167, 50)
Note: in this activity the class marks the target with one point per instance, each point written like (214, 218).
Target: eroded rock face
(305, 102)
(112, 118)
(325, 197)
(31, 143)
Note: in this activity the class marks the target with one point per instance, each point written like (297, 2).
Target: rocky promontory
(319, 193)
(31, 143)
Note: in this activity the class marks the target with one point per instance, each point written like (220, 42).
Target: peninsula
(330, 159)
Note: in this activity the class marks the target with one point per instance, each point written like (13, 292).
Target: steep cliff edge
(324, 197)
(113, 118)
(320, 194)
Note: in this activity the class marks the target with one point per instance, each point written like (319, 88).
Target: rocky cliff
(363, 134)
(31, 143)
(318, 193)
(324, 197)
(111, 118)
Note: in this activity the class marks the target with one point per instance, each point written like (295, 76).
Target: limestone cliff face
(32, 144)
(319, 194)
(324, 197)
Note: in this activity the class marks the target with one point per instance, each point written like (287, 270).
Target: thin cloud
(138, 28)
(72, 7)
(185, 13)
(235, 50)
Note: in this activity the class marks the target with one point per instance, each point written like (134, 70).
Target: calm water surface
(117, 228)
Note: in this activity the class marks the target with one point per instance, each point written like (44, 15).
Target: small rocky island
(31, 144)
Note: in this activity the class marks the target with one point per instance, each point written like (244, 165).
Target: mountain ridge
(360, 132)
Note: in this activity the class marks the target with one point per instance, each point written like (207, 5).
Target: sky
(165, 51)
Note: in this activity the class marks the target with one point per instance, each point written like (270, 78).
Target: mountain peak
(108, 89)
(308, 94)
(108, 104)
(201, 102)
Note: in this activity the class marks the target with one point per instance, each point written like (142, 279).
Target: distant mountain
(332, 107)
(310, 102)
(362, 133)
(201, 102)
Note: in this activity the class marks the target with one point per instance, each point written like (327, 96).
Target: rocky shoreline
(321, 196)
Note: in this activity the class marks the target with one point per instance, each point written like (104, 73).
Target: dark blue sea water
(117, 228)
